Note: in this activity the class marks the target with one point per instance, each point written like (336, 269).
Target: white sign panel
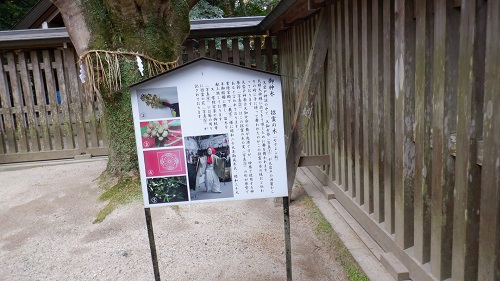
(210, 131)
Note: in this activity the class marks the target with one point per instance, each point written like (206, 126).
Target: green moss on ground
(325, 231)
(117, 193)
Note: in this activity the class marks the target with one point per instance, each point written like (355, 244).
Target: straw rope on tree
(101, 68)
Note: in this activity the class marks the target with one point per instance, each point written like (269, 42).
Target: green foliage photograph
(167, 190)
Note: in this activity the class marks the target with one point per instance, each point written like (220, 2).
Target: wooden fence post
(469, 130)
(446, 19)
(388, 61)
(423, 119)
(404, 147)
(367, 95)
(7, 112)
(489, 228)
(348, 38)
(378, 46)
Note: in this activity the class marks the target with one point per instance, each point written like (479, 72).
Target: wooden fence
(45, 116)
(409, 111)
(252, 51)
(43, 113)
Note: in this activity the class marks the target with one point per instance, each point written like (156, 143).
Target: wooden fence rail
(409, 113)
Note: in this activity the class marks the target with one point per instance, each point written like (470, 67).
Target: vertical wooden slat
(319, 112)
(295, 59)
(18, 104)
(468, 173)
(223, 46)
(53, 106)
(283, 50)
(304, 41)
(300, 41)
(423, 117)
(378, 110)
(312, 128)
(288, 70)
(258, 54)
(27, 91)
(404, 147)
(334, 94)
(304, 44)
(65, 100)
(278, 58)
(76, 99)
(291, 78)
(489, 228)
(189, 50)
(324, 115)
(41, 101)
(102, 129)
(315, 140)
(9, 127)
(357, 104)
(342, 93)
(446, 20)
(236, 52)
(269, 54)
(367, 102)
(320, 115)
(3, 139)
(246, 48)
(389, 173)
(89, 107)
(349, 96)
(300, 37)
(292, 73)
(91, 112)
(201, 48)
(211, 49)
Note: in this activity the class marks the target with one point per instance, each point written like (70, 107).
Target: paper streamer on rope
(102, 67)
(82, 72)
(139, 65)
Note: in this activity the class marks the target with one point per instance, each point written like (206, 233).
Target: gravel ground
(46, 233)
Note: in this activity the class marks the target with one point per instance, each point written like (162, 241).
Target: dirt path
(46, 233)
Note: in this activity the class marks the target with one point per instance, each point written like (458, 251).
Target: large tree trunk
(155, 28)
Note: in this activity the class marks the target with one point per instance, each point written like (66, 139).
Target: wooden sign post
(210, 131)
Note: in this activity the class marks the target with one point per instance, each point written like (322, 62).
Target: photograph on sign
(158, 103)
(209, 166)
(165, 162)
(161, 133)
(167, 190)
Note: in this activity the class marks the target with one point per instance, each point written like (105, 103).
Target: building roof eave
(30, 37)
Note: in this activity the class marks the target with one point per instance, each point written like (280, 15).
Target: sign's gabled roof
(190, 63)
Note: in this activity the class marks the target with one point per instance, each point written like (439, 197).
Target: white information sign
(210, 131)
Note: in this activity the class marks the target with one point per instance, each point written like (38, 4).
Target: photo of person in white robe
(212, 167)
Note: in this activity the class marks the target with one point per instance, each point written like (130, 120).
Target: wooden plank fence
(43, 113)
(251, 51)
(408, 110)
(45, 116)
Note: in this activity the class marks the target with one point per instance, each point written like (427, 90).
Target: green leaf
(143, 129)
